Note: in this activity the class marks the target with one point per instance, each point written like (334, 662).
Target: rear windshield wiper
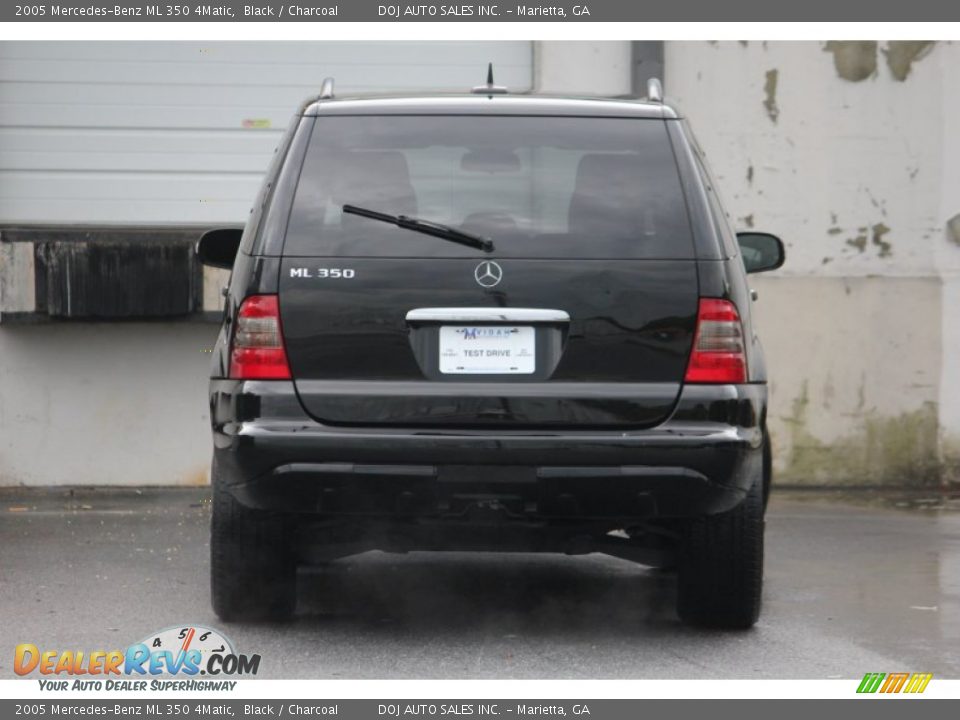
(426, 227)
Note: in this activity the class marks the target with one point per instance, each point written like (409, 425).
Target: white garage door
(161, 133)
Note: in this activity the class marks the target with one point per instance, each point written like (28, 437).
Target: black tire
(253, 569)
(720, 568)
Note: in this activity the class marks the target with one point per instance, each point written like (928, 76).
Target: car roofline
(492, 104)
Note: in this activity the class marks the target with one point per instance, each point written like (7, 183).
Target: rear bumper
(702, 460)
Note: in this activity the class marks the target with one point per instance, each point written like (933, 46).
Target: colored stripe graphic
(918, 682)
(870, 682)
(894, 682)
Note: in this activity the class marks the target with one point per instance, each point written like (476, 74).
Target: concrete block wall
(105, 403)
(849, 152)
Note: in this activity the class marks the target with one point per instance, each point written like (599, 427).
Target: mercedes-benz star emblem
(488, 273)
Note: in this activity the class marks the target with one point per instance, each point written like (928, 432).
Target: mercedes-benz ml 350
(489, 322)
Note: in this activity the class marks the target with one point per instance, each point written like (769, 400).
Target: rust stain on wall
(878, 231)
(859, 242)
(873, 235)
(854, 60)
(902, 54)
(770, 94)
(196, 478)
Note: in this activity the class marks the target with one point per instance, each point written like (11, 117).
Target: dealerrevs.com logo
(181, 651)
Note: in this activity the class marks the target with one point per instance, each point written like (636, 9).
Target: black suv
(489, 322)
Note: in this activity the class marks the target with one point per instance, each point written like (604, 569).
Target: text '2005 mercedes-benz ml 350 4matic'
(489, 322)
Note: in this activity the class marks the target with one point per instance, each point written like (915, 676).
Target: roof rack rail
(489, 88)
(654, 90)
(326, 89)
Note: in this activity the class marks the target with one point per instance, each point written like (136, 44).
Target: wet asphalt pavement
(854, 584)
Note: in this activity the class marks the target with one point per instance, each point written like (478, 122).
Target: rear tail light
(257, 351)
(718, 353)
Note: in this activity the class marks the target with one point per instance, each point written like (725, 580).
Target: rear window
(535, 186)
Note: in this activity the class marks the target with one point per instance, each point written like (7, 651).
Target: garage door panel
(340, 53)
(209, 187)
(61, 95)
(67, 161)
(138, 212)
(156, 141)
(354, 76)
(145, 116)
(180, 132)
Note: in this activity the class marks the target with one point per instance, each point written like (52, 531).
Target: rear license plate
(489, 350)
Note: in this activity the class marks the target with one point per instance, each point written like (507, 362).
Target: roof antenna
(489, 89)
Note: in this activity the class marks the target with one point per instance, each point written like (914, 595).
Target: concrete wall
(582, 68)
(849, 152)
(105, 403)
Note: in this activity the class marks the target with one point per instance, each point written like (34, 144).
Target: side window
(251, 231)
(720, 217)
